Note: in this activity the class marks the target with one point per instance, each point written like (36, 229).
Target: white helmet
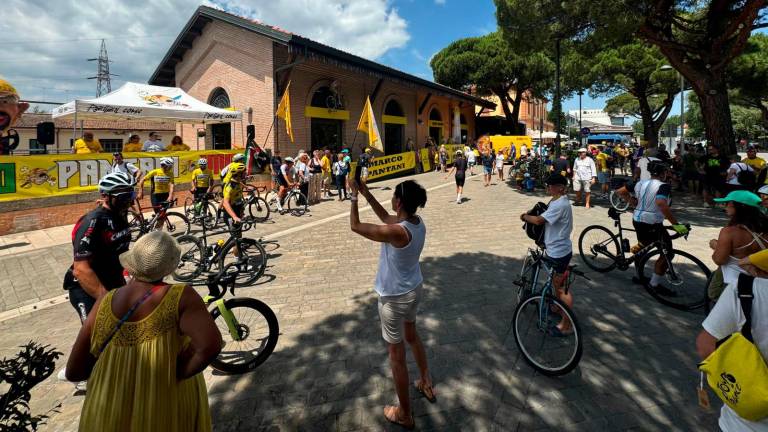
(202, 162)
(763, 190)
(238, 157)
(166, 162)
(116, 182)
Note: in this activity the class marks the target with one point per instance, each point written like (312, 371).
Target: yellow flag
(284, 110)
(368, 125)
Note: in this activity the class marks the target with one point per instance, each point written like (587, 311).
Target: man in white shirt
(641, 170)
(732, 182)
(558, 221)
(153, 144)
(584, 176)
(727, 317)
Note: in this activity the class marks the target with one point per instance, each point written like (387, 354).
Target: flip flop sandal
(429, 394)
(390, 413)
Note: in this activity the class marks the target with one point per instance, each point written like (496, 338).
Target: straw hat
(152, 257)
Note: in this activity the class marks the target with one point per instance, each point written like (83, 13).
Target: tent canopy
(551, 135)
(606, 137)
(135, 101)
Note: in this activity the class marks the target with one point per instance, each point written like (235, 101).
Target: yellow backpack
(736, 370)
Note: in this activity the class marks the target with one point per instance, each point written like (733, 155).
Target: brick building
(229, 61)
(532, 112)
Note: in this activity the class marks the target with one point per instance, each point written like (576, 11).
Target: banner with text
(23, 177)
(382, 166)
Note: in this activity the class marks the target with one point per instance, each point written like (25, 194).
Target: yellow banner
(382, 166)
(23, 177)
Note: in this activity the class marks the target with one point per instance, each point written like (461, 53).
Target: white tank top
(399, 269)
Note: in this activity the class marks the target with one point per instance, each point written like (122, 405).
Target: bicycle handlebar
(676, 235)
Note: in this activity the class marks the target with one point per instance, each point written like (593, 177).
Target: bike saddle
(614, 214)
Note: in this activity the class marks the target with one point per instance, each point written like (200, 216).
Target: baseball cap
(556, 179)
(582, 150)
(345, 151)
(742, 197)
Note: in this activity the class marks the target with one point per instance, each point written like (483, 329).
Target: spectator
(727, 317)
(740, 175)
(443, 157)
(287, 180)
(690, 173)
(500, 164)
(153, 144)
(177, 145)
(523, 151)
(365, 162)
(757, 163)
(714, 169)
(275, 163)
(399, 286)
(763, 194)
(603, 169)
(584, 175)
(348, 162)
(340, 171)
(487, 159)
(133, 144)
(303, 171)
(87, 144)
(622, 153)
(145, 369)
(325, 164)
(460, 167)
(471, 161)
(662, 154)
(120, 165)
(677, 169)
(641, 166)
(562, 166)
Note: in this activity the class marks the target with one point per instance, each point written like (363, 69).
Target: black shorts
(713, 185)
(158, 199)
(200, 193)
(235, 230)
(460, 180)
(560, 265)
(649, 233)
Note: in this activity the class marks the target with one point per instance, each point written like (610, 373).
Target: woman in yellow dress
(177, 144)
(144, 369)
(133, 145)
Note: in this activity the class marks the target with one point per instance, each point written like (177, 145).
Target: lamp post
(581, 137)
(558, 108)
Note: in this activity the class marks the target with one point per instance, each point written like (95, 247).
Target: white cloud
(440, 2)
(47, 43)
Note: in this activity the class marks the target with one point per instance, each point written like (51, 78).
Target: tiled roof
(31, 120)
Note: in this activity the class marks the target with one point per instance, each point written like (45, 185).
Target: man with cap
(727, 317)
(755, 162)
(11, 109)
(584, 176)
(558, 222)
(287, 180)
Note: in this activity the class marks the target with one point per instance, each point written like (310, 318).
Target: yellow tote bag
(736, 371)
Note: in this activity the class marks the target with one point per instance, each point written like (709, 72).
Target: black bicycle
(174, 223)
(201, 211)
(684, 280)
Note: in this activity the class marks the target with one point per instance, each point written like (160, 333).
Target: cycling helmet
(288, 160)
(657, 168)
(238, 157)
(236, 168)
(116, 182)
(166, 162)
(763, 190)
(202, 162)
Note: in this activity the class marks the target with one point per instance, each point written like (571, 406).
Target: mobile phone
(358, 173)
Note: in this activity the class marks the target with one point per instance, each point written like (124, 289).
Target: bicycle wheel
(217, 191)
(258, 209)
(595, 244)
(297, 203)
(192, 255)
(208, 215)
(135, 226)
(256, 330)
(682, 288)
(175, 224)
(534, 321)
(250, 262)
(618, 202)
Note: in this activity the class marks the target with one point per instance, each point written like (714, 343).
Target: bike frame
(146, 225)
(229, 318)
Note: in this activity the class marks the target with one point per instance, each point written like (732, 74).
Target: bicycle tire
(610, 242)
(255, 261)
(192, 255)
(217, 191)
(294, 207)
(135, 226)
(528, 310)
(525, 280)
(225, 364)
(175, 224)
(681, 299)
(209, 216)
(617, 201)
(259, 209)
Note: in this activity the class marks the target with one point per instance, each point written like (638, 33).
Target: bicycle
(197, 256)
(256, 205)
(176, 224)
(241, 322)
(602, 250)
(201, 211)
(539, 311)
(293, 200)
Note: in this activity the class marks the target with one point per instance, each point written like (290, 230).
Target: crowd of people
(88, 144)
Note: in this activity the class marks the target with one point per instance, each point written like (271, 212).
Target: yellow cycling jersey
(161, 181)
(202, 178)
(233, 192)
(177, 147)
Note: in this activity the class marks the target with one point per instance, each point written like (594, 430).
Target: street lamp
(581, 137)
(558, 105)
(667, 67)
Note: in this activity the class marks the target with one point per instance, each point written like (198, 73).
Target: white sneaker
(81, 386)
(62, 376)
(458, 200)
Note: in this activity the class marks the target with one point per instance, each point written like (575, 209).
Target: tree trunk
(516, 112)
(650, 131)
(716, 111)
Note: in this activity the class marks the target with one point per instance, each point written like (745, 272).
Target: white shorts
(394, 311)
(581, 184)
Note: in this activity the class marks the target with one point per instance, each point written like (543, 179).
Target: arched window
(221, 134)
(435, 115)
(394, 109)
(436, 126)
(394, 127)
(320, 96)
(464, 129)
(326, 132)
(219, 98)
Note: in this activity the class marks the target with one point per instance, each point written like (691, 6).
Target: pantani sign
(383, 166)
(23, 177)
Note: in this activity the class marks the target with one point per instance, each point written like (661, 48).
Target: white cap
(582, 150)
(763, 190)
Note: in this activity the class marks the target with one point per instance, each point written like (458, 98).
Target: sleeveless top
(399, 269)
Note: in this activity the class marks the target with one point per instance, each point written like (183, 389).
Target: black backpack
(746, 177)
(533, 231)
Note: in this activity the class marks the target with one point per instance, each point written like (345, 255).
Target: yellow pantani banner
(382, 166)
(23, 177)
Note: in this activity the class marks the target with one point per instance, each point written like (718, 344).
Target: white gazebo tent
(134, 101)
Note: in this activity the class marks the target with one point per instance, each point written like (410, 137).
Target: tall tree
(749, 77)
(491, 65)
(648, 91)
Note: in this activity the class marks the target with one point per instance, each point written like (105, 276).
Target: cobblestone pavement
(330, 370)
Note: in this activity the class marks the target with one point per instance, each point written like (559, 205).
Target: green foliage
(693, 118)
(33, 364)
(748, 77)
(747, 122)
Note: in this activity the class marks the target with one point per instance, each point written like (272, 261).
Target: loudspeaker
(46, 133)
(251, 132)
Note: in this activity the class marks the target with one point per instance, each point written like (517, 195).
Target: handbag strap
(127, 316)
(745, 299)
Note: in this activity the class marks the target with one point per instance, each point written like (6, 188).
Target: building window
(394, 133)
(436, 126)
(111, 145)
(36, 148)
(221, 134)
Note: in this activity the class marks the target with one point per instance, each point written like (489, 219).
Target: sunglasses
(124, 196)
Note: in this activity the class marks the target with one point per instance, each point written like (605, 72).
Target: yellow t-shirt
(82, 147)
(602, 161)
(161, 181)
(233, 192)
(202, 178)
(325, 164)
(132, 147)
(177, 147)
(757, 163)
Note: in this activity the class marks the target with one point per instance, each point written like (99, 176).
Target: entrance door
(326, 133)
(221, 134)
(437, 134)
(393, 138)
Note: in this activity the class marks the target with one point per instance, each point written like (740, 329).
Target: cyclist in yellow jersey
(201, 181)
(233, 203)
(161, 183)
